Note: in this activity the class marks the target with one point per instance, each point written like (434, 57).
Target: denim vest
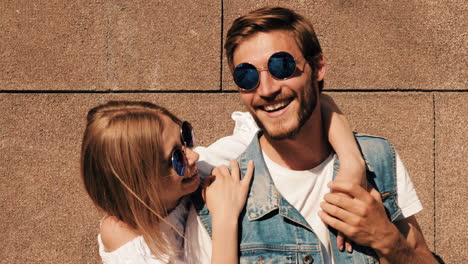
(271, 230)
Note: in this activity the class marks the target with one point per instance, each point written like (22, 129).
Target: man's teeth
(275, 107)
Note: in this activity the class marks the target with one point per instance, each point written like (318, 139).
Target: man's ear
(321, 68)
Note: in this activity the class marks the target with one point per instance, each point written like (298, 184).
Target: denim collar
(264, 197)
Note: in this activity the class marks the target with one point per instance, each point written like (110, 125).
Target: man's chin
(281, 131)
(281, 135)
(277, 129)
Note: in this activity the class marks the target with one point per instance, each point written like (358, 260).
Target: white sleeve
(230, 147)
(198, 243)
(407, 198)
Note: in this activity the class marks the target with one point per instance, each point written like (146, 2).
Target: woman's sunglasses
(187, 137)
(281, 66)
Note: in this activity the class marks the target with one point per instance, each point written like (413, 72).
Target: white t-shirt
(302, 189)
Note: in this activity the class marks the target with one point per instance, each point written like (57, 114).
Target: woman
(137, 166)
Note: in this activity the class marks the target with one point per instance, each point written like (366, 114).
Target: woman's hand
(225, 198)
(226, 195)
(350, 171)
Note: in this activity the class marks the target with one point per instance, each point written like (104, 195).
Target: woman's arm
(229, 147)
(341, 137)
(225, 198)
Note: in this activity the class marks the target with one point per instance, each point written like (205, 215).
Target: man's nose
(268, 86)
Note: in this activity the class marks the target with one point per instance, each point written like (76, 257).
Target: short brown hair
(121, 166)
(275, 18)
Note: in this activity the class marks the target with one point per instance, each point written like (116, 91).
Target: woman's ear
(321, 68)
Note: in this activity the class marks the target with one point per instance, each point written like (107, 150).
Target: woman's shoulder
(115, 233)
(119, 243)
(134, 251)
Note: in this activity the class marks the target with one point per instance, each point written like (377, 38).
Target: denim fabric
(273, 231)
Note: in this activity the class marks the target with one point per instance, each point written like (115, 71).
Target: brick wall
(396, 68)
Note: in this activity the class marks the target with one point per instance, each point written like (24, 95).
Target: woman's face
(174, 186)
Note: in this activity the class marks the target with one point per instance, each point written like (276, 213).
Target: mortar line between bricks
(209, 91)
(107, 58)
(434, 153)
(221, 50)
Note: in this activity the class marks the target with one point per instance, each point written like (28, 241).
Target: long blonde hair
(122, 166)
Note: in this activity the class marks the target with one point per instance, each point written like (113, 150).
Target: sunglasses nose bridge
(260, 70)
(267, 85)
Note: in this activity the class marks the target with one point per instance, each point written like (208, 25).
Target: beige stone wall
(396, 68)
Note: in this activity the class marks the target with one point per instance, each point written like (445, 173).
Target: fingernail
(349, 249)
(341, 248)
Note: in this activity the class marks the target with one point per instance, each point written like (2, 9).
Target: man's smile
(276, 106)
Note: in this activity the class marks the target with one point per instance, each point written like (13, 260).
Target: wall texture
(397, 69)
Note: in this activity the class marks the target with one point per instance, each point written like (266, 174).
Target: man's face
(280, 107)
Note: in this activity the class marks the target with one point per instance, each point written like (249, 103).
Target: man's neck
(305, 151)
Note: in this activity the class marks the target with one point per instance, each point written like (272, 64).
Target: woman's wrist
(353, 169)
(225, 219)
(353, 163)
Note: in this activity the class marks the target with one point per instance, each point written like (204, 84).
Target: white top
(303, 189)
(137, 251)
(230, 147)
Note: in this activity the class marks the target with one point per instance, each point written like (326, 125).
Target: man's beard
(307, 105)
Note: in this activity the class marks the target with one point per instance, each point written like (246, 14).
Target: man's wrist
(392, 243)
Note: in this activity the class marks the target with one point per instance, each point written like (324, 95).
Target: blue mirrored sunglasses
(281, 66)
(187, 137)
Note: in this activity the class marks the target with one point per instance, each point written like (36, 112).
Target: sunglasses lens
(281, 65)
(246, 76)
(188, 137)
(178, 162)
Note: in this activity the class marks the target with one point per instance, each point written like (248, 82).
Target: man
(276, 61)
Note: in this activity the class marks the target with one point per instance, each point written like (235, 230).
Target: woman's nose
(192, 158)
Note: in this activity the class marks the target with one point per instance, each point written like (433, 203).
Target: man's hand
(361, 217)
(352, 170)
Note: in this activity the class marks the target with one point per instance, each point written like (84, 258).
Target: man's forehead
(274, 36)
(262, 45)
